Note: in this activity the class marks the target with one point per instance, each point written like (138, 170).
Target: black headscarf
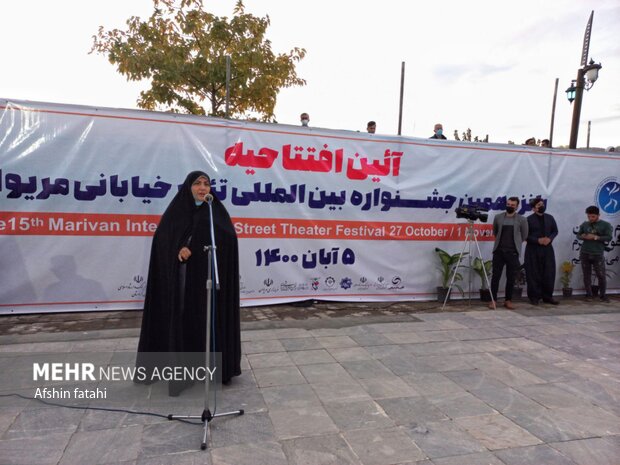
(174, 318)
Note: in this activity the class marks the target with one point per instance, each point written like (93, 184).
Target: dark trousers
(540, 271)
(588, 261)
(509, 259)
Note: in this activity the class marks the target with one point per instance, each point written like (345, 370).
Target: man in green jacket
(594, 233)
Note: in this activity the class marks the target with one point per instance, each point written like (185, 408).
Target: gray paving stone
(35, 422)
(405, 337)
(298, 422)
(383, 446)
(305, 343)
(365, 369)
(483, 458)
(594, 451)
(566, 424)
(245, 381)
(387, 387)
(268, 360)
(350, 354)
(372, 339)
(461, 405)
(443, 439)
(497, 432)
(474, 379)
(507, 400)
(340, 392)
(552, 396)
(186, 458)
(250, 400)
(385, 351)
(319, 450)
(278, 376)
(103, 446)
(358, 415)
(542, 454)
(310, 357)
(260, 347)
(325, 373)
(293, 396)
(248, 428)
(170, 437)
(333, 342)
(410, 410)
(261, 453)
(42, 450)
(7, 417)
(432, 384)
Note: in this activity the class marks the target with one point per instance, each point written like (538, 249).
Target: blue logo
(346, 283)
(608, 196)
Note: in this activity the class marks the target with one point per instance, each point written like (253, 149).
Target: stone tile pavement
(464, 387)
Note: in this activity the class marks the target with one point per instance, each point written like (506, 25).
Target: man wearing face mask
(305, 119)
(438, 132)
(539, 254)
(510, 230)
(594, 233)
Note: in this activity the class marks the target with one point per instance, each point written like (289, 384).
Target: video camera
(472, 213)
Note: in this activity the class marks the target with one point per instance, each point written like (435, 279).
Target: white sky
(487, 65)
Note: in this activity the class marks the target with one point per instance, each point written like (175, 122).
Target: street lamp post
(586, 77)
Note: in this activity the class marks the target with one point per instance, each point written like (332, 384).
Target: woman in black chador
(174, 318)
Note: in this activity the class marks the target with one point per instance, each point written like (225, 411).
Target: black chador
(540, 258)
(174, 318)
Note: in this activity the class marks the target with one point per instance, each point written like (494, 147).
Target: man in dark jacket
(510, 230)
(594, 233)
(539, 255)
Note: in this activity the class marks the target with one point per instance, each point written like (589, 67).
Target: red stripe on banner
(263, 228)
(76, 224)
(129, 225)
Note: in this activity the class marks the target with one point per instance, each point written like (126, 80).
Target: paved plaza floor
(348, 384)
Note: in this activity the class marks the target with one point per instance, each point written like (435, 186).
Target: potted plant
(449, 265)
(517, 289)
(480, 267)
(567, 272)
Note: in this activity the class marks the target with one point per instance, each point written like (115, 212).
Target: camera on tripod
(472, 213)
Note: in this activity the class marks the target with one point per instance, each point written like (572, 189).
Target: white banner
(333, 215)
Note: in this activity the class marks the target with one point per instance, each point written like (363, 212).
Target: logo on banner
(330, 282)
(363, 284)
(268, 288)
(346, 283)
(608, 196)
(396, 283)
(315, 283)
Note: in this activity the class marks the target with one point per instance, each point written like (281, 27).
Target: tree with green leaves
(182, 49)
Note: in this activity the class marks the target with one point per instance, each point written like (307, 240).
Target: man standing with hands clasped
(510, 230)
(594, 233)
(539, 255)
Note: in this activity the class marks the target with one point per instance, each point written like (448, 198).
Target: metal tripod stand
(207, 414)
(470, 237)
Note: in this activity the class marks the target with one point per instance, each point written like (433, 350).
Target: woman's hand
(184, 254)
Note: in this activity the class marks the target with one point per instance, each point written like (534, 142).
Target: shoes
(492, 306)
(588, 298)
(534, 302)
(551, 301)
(508, 305)
(605, 299)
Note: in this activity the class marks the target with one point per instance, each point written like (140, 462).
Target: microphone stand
(207, 415)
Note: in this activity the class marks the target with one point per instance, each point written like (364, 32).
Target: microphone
(208, 198)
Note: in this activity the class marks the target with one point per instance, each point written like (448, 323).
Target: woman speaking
(174, 318)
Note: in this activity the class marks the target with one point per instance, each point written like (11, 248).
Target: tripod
(207, 415)
(469, 238)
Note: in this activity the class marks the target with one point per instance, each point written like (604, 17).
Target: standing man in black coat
(539, 255)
